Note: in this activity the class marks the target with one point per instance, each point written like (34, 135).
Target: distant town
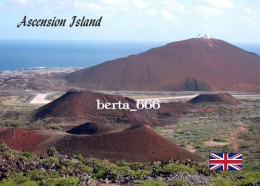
(25, 78)
(28, 72)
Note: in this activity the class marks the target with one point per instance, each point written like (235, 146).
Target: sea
(26, 54)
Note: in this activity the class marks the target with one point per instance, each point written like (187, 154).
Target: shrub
(52, 159)
(118, 172)
(135, 166)
(69, 181)
(249, 178)
(39, 175)
(27, 156)
(52, 151)
(67, 163)
(66, 170)
(178, 182)
(219, 140)
(139, 174)
(30, 183)
(157, 169)
(4, 148)
(85, 168)
(172, 167)
(78, 157)
(122, 162)
(220, 181)
(100, 172)
(19, 178)
(8, 182)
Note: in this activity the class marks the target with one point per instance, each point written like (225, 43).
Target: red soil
(25, 140)
(194, 64)
(224, 98)
(139, 144)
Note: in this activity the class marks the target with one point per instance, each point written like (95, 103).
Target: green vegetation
(191, 131)
(250, 145)
(40, 179)
(23, 168)
(14, 112)
(172, 167)
(220, 140)
(178, 182)
(194, 129)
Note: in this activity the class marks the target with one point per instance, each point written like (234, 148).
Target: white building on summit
(205, 36)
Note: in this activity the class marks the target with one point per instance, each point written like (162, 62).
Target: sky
(234, 21)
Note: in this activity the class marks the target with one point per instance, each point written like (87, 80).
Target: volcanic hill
(83, 105)
(223, 98)
(137, 144)
(192, 65)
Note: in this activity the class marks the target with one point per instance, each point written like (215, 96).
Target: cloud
(172, 5)
(250, 11)
(115, 3)
(220, 3)
(150, 12)
(87, 5)
(207, 10)
(167, 15)
(21, 2)
(139, 4)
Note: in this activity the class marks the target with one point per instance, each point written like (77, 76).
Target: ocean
(20, 54)
(30, 54)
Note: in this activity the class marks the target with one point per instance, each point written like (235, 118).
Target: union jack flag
(225, 161)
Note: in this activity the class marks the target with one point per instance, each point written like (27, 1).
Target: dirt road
(234, 137)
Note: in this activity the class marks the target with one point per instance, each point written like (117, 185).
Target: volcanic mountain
(137, 144)
(193, 65)
(224, 98)
(83, 105)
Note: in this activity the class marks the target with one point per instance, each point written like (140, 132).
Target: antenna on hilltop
(204, 36)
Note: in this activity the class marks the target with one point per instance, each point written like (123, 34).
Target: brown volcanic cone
(83, 105)
(194, 64)
(215, 98)
(141, 144)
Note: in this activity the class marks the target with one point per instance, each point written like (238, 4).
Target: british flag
(225, 161)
